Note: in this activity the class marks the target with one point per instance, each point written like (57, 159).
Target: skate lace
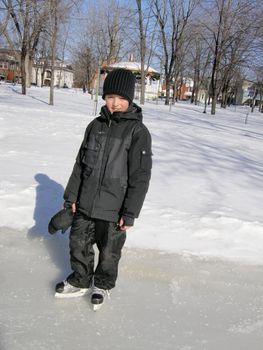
(68, 285)
(103, 292)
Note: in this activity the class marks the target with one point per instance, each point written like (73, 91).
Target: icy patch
(247, 327)
(175, 290)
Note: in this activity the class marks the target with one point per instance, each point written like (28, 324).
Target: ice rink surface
(162, 301)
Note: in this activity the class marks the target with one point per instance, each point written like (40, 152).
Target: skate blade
(78, 294)
(96, 307)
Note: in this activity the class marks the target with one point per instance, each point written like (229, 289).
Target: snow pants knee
(86, 232)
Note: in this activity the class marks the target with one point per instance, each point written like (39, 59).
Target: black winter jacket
(112, 171)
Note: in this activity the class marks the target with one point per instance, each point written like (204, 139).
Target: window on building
(48, 74)
(4, 65)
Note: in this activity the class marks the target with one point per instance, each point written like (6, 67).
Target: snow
(135, 66)
(206, 193)
(195, 253)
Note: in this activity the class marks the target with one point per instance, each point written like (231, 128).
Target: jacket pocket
(146, 160)
(90, 154)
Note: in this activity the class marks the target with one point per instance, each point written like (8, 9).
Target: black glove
(61, 221)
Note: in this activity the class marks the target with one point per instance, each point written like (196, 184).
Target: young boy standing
(106, 189)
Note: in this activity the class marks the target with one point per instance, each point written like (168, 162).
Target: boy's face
(116, 103)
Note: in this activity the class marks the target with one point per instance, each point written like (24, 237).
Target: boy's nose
(115, 102)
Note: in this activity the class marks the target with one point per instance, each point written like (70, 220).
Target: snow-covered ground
(195, 253)
(206, 191)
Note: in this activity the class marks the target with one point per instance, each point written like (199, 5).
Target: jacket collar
(133, 112)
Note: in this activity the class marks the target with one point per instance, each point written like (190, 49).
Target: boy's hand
(74, 207)
(122, 225)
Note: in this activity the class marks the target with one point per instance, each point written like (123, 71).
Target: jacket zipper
(102, 163)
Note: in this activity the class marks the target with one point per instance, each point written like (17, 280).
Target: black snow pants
(86, 232)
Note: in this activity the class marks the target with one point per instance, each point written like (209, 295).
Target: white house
(247, 91)
(41, 74)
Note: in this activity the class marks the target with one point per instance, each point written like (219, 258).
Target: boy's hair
(120, 82)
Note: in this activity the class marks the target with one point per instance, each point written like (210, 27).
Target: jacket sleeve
(139, 174)
(72, 189)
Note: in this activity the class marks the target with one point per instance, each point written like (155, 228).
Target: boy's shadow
(49, 200)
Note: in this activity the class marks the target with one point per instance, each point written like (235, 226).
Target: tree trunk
(28, 67)
(196, 94)
(167, 96)
(37, 69)
(174, 92)
(51, 91)
(142, 100)
(213, 105)
(216, 60)
(193, 93)
(253, 104)
(42, 76)
(224, 98)
(43, 71)
(196, 78)
(23, 71)
(142, 51)
(54, 5)
(260, 102)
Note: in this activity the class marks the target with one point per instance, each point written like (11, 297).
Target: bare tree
(104, 31)
(28, 18)
(172, 17)
(198, 60)
(53, 6)
(62, 47)
(256, 60)
(3, 23)
(146, 29)
(142, 49)
(59, 12)
(43, 58)
(101, 40)
(228, 25)
(85, 66)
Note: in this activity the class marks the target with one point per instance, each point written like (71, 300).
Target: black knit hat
(120, 82)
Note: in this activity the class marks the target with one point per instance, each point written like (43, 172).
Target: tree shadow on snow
(49, 200)
(38, 99)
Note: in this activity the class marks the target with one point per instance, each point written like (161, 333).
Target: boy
(106, 189)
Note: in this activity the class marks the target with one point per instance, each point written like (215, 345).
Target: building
(41, 72)
(9, 65)
(63, 74)
(246, 92)
(184, 89)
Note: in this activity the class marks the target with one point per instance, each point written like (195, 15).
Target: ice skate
(66, 290)
(98, 297)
